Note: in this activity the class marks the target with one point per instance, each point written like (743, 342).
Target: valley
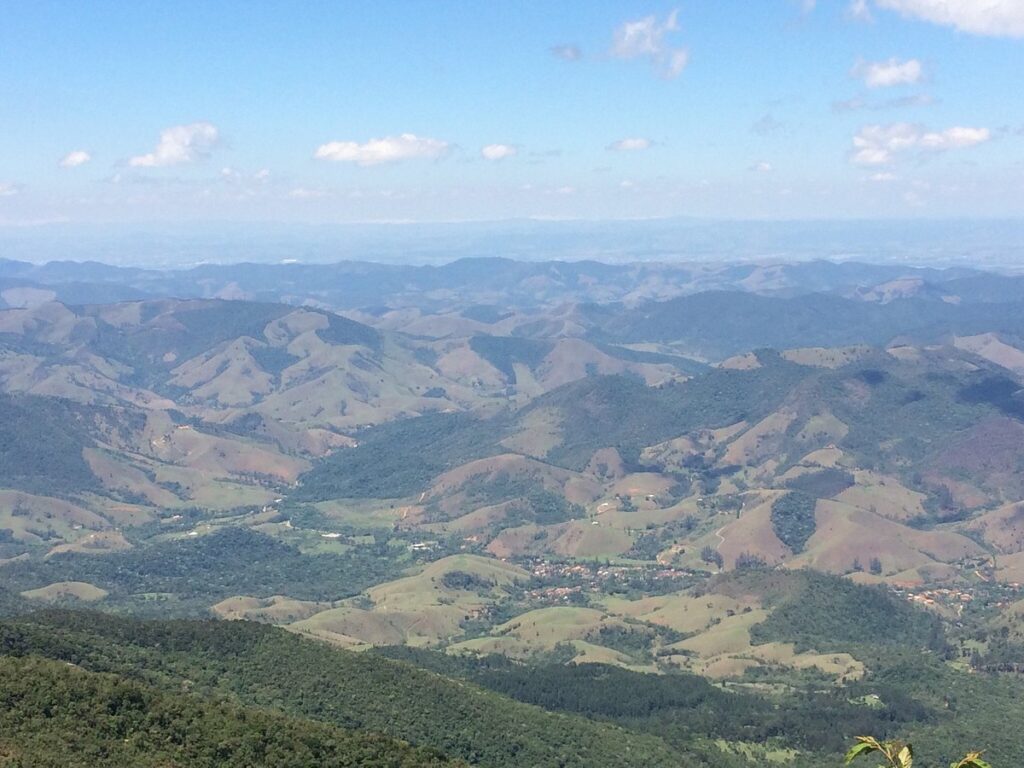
(779, 505)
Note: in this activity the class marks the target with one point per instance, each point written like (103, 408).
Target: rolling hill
(699, 486)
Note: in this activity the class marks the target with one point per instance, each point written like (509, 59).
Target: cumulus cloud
(406, 146)
(995, 18)
(8, 189)
(880, 144)
(762, 167)
(884, 74)
(498, 151)
(956, 137)
(629, 145)
(74, 159)
(180, 144)
(566, 52)
(646, 38)
(883, 177)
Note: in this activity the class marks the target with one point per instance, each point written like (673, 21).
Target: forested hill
(258, 666)
(56, 715)
(112, 692)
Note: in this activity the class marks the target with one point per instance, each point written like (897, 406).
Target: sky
(334, 112)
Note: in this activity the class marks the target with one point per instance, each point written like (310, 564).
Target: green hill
(41, 444)
(256, 665)
(55, 715)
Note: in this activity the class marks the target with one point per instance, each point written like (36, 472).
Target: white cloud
(74, 159)
(762, 167)
(858, 10)
(883, 176)
(180, 144)
(645, 38)
(406, 146)
(995, 18)
(956, 138)
(883, 74)
(629, 145)
(675, 63)
(7, 189)
(498, 151)
(880, 144)
(566, 52)
(876, 144)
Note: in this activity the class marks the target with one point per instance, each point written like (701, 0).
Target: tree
(712, 556)
(875, 566)
(898, 754)
(749, 561)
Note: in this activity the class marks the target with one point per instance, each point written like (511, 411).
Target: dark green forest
(53, 715)
(256, 665)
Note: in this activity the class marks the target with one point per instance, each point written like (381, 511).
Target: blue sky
(440, 111)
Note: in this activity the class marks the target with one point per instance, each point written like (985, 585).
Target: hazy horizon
(991, 244)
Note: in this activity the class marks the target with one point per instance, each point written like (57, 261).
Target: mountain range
(685, 471)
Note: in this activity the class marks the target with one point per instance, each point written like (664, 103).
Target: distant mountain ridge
(458, 284)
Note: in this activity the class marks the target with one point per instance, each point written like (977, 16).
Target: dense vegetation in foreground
(261, 666)
(184, 692)
(53, 715)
